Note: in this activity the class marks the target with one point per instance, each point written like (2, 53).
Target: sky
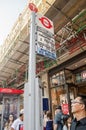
(9, 12)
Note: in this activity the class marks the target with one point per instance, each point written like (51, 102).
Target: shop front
(60, 93)
(80, 75)
(66, 83)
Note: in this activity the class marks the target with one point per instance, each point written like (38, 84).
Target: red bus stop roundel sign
(33, 7)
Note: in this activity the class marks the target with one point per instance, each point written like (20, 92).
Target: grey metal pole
(32, 74)
(30, 86)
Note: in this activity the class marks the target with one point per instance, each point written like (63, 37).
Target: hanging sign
(45, 43)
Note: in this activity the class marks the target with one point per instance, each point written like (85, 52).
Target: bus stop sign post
(29, 106)
(37, 35)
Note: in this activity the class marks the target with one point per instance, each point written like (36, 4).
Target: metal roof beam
(5, 72)
(24, 42)
(9, 68)
(3, 76)
(22, 52)
(15, 61)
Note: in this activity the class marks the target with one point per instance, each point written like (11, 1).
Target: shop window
(55, 93)
(78, 77)
(58, 89)
(58, 79)
(69, 77)
(81, 77)
(64, 102)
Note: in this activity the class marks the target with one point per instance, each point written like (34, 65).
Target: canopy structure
(69, 18)
(11, 91)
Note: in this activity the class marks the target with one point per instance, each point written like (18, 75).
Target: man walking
(18, 123)
(78, 107)
(58, 119)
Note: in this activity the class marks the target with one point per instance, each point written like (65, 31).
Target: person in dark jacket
(58, 119)
(78, 107)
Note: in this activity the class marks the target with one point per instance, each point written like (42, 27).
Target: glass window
(81, 77)
(58, 79)
(78, 77)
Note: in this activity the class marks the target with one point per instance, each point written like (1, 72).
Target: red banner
(11, 91)
(65, 109)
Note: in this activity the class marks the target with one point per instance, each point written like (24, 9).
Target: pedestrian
(18, 123)
(78, 107)
(66, 122)
(9, 122)
(69, 120)
(58, 118)
(49, 122)
(44, 120)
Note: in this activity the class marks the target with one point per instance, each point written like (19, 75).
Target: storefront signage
(45, 43)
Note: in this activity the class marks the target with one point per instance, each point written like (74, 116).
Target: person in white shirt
(18, 123)
(44, 120)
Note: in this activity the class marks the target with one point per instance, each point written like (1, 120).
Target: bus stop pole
(29, 106)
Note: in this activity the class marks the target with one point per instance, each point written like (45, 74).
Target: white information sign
(45, 37)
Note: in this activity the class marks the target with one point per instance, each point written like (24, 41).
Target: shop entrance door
(9, 104)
